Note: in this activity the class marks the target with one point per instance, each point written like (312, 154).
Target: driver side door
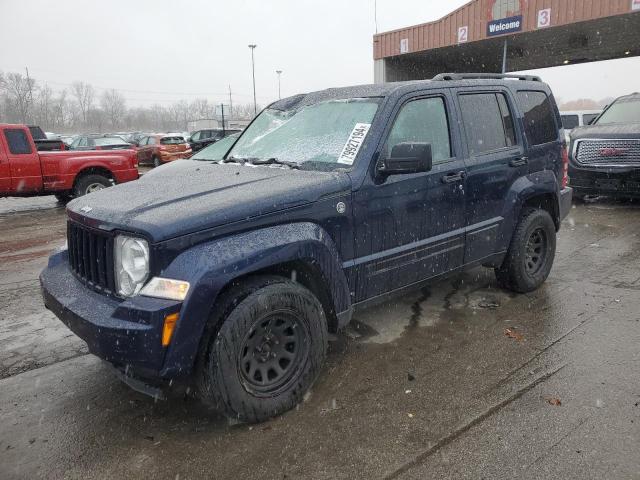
(410, 227)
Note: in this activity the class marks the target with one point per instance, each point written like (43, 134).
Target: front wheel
(268, 350)
(89, 184)
(531, 253)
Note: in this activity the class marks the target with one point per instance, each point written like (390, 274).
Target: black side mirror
(408, 157)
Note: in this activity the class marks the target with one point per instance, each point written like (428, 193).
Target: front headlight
(131, 264)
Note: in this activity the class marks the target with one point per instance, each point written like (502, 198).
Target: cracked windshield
(320, 240)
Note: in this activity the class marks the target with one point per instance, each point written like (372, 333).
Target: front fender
(522, 190)
(210, 266)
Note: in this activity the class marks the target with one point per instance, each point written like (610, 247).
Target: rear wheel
(156, 161)
(531, 253)
(90, 183)
(267, 352)
(64, 197)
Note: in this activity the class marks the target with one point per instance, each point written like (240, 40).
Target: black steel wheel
(531, 253)
(263, 348)
(272, 352)
(535, 251)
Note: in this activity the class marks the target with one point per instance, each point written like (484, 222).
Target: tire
(156, 162)
(531, 253)
(63, 197)
(90, 183)
(267, 320)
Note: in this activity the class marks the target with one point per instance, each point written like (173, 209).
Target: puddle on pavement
(456, 299)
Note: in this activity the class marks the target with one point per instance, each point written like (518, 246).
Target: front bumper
(620, 182)
(126, 333)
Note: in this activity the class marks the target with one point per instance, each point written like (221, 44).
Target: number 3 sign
(544, 18)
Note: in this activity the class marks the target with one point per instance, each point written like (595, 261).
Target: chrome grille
(608, 152)
(91, 256)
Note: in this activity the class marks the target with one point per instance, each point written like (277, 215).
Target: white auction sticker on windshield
(355, 141)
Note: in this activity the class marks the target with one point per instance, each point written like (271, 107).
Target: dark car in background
(218, 150)
(90, 142)
(44, 144)
(605, 156)
(201, 138)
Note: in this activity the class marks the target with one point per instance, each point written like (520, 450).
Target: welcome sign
(504, 25)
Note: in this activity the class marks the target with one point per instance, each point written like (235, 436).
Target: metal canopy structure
(510, 35)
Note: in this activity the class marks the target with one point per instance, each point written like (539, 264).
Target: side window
(423, 120)
(83, 142)
(76, 142)
(539, 118)
(570, 121)
(507, 120)
(196, 136)
(151, 141)
(17, 140)
(487, 121)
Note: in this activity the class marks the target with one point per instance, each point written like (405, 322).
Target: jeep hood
(611, 130)
(188, 196)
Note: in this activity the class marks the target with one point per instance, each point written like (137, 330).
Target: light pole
(253, 69)
(279, 72)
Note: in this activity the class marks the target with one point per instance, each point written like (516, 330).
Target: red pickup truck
(24, 171)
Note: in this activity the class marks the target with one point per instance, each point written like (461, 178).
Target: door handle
(519, 162)
(453, 177)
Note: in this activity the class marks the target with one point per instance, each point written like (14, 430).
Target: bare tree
(22, 99)
(44, 106)
(60, 112)
(84, 94)
(19, 91)
(114, 106)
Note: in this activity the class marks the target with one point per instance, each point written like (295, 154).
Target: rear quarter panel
(60, 169)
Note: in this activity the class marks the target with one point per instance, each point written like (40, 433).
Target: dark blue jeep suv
(232, 273)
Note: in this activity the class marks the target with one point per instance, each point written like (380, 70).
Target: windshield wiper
(241, 161)
(274, 161)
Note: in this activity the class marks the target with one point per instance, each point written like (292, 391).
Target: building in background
(509, 35)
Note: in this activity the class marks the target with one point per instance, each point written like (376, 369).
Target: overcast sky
(161, 51)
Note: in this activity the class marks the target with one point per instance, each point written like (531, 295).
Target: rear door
(495, 158)
(144, 152)
(24, 161)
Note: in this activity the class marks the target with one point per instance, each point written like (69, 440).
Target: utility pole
(222, 111)
(230, 105)
(279, 72)
(253, 70)
(30, 94)
(375, 14)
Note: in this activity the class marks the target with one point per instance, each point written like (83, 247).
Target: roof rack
(492, 76)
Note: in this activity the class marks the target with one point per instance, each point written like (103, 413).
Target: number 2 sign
(463, 34)
(544, 18)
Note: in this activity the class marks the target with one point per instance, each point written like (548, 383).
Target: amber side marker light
(168, 328)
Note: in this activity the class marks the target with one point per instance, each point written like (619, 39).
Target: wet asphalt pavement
(459, 380)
